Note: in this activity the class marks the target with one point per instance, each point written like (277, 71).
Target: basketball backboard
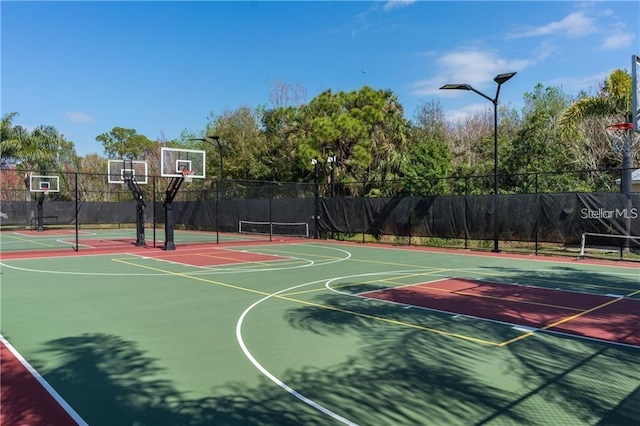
(635, 82)
(44, 184)
(120, 170)
(174, 161)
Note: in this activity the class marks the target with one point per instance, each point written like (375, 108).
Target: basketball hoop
(187, 175)
(45, 191)
(621, 135)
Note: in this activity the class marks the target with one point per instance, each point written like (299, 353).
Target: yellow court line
(193, 277)
(239, 262)
(393, 281)
(352, 259)
(241, 266)
(405, 324)
(365, 282)
(569, 283)
(569, 318)
(248, 266)
(262, 293)
(547, 305)
(32, 241)
(297, 253)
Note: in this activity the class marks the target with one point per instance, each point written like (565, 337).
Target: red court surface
(610, 318)
(213, 257)
(23, 400)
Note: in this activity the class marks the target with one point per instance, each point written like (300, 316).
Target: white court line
(272, 377)
(197, 272)
(55, 395)
(225, 266)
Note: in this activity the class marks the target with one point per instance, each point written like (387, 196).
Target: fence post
(537, 222)
(218, 210)
(77, 247)
(155, 222)
(270, 211)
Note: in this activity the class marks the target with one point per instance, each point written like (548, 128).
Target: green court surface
(285, 334)
(21, 239)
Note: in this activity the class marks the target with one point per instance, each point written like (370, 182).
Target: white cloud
(574, 25)
(396, 4)
(467, 111)
(617, 41)
(545, 51)
(588, 84)
(375, 19)
(474, 67)
(79, 117)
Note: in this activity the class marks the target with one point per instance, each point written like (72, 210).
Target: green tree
(91, 182)
(241, 144)
(584, 122)
(121, 143)
(281, 127)
(613, 101)
(428, 160)
(364, 129)
(537, 146)
(9, 139)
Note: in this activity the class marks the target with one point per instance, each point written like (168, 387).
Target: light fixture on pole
(500, 79)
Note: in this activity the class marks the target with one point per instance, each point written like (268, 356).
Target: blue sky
(162, 67)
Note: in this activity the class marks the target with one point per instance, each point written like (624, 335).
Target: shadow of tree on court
(109, 381)
(590, 379)
(423, 376)
(537, 380)
(570, 278)
(621, 317)
(394, 375)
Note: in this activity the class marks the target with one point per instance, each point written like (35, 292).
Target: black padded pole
(40, 215)
(170, 194)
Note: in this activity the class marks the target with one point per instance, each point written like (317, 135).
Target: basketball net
(622, 135)
(187, 175)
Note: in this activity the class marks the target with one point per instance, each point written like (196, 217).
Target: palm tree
(612, 105)
(9, 138)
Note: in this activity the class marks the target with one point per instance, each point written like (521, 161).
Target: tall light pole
(500, 79)
(316, 215)
(332, 166)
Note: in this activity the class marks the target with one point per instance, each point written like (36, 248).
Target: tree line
(378, 151)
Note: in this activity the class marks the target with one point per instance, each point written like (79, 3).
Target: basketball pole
(627, 166)
(140, 206)
(172, 190)
(40, 214)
